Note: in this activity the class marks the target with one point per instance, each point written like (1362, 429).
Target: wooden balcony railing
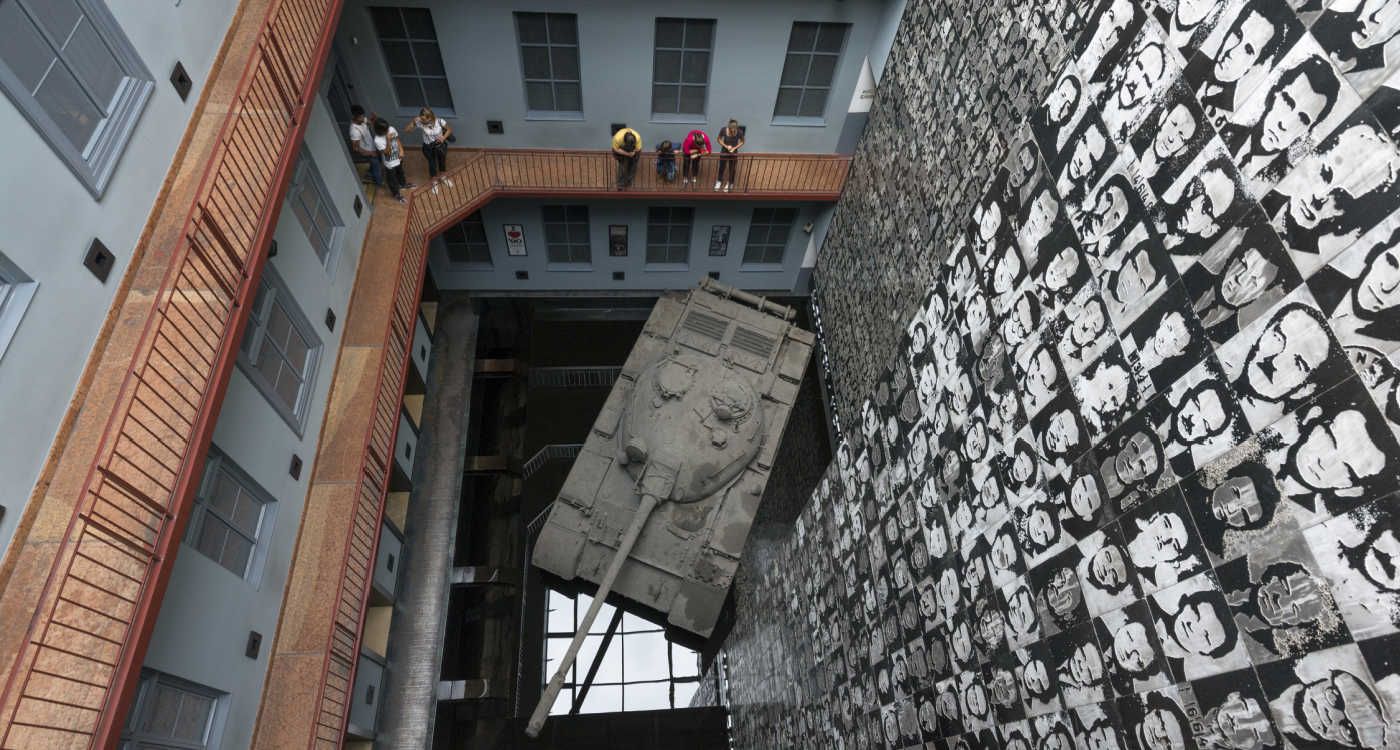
(72, 680)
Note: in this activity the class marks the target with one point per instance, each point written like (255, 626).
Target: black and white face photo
(1199, 418)
(1170, 137)
(1056, 120)
(1089, 156)
(1109, 35)
(1350, 185)
(1166, 341)
(1359, 555)
(1233, 713)
(1330, 699)
(1082, 331)
(1062, 269)
(1197, 630)
(1283, 606)
(1096, 726)
(1038, 529)
(1359, 291)
(1134, 275)
(1111, 211)
(1019, 467)
(1187, 22)
(1128, 638)
(1039, 218)
(1138, 81)
(1083, 501)
(1241, 277)
(1040, 688)
(1202, 206)
(1236, 504)
(1060, 434)
(1022, 617)
(1249, 41)
(1004, 562)
(1106, 573)
(1304, 100)
(1161, 542)
(1133, 464)
(1107, 393)
(1038, 375)
(1156, 720)
(1058, 592)
(1080, 667)
(1362, 38)
(1283, 360)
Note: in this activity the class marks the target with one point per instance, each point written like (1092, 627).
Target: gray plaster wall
(482, 58)
(208, 612)
(639, 275)
(50, 218)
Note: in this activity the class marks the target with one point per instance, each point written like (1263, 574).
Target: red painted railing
(72, 682)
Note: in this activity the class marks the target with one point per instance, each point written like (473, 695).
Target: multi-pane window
(668, 234)
(311, 202)
(813, 51)
(681, 66)
(768, 235)
(69, 68)
(566, 234)
(230, 513)
(280, 349)
(466, 242)
(549, 58)
(639, 671)
(16, 290)
(411, 51)
(170, 713)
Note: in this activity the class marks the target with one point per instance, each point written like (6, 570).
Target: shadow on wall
(1130, 479)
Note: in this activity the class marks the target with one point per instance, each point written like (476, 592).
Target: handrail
(73, 678)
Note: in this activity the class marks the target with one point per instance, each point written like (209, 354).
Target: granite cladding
(1111, 315)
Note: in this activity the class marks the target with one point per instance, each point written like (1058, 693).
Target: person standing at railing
(666, 161)
(627, 148)
(362, 150)
(694, 147)
(386, 140)
(435, 131)
(731, 139)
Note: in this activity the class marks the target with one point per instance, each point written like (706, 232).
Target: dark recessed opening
(714, 274)
(99, 260)
(254, 644)
(272, 249)
(616, 127)
(359, 206)
(619, 275)
(295, 468)
(522, 275)
(330, 319)
(181, 81)
(495, 127)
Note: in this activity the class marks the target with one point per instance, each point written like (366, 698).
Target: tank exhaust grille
(753, 342)
(705, 324)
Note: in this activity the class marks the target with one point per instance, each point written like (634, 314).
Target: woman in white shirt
(386, 139)
(436, 131)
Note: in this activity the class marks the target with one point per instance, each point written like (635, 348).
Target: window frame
(568, 245)
(667, 263)
(133, 739)
(450, 110)
(475, 219)
(520, 44)
(16, 292)
(304, 173)
(679, 85)
(797, 118)
(276, 290)
(219, 462)
(769, 224)
(95, 163)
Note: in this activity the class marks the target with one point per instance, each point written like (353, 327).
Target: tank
(690, 429)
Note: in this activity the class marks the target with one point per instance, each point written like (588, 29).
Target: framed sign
(719, 240)
(515, 239)
(617, 240)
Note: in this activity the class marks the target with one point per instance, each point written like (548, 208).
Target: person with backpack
(627, 148)
(731, 139)
(436, 131)
(390, 147)
(666, 161)
(693, 148)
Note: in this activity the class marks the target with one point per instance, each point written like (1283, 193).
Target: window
(812, 54)
(280, 350)
(566, 234)
(16, 290)
(549, 57)
(639, 671)
(231, 513)
(668, 234)
(411, 52)
(69, 68)
(170, 713)
(466, 242)
(768, 235)
(311, 202)
(681, 67)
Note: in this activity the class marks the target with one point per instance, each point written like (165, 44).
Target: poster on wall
(617, 240)
(719, 240)
(515, 239)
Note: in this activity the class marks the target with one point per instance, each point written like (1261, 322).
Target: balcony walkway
(316, 648)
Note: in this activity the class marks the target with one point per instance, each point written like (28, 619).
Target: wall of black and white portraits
(1112, 303)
